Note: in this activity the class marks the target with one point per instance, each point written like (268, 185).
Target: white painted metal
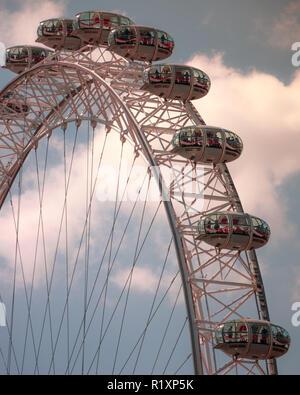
(96, 84)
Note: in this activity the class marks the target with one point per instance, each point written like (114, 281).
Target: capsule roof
(173, 81)
(141, 43)
(233, 231)
(58, 33)
(22, 57)
(207, 144)
(93, 27)
(253, 339)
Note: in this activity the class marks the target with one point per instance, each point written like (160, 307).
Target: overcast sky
(245, 47)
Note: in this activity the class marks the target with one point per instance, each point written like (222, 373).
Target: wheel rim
(148, 123)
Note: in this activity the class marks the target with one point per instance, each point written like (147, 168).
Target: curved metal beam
(252, 254)
(195, 344)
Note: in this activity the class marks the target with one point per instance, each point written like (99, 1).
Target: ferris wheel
(125, 245)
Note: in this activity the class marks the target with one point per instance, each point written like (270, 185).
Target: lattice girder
(98, 85)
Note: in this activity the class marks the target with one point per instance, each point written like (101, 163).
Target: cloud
(283, 30)
(52, 207)
(122, 12)
(102, 208)
(143, 279)
(265, 114)
(19, 27)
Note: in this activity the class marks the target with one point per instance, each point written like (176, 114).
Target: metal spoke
(97, 91)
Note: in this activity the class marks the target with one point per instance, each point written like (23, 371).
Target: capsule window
(38, 54)
(212, 224)
(110, 21)
(199, 80)
(52, 28)
(125, 35)
(69, 28)
(186, 137)
(219, 335)
(240, 225)
(235, 332)
(40, 30)
(217, 224)
(198, 137)
(160, 75)
(165, 41)
(18, 54)
(206, 79)
(183, 77)
(191, 136)
(213, 138)
(241, 332)
(89, 20)
(223, 224)
(125, 21)
(202, 227)
(260, 228)
(229, 332)
(147, 37)
(233, 140)
(260, 334)
(176, 140)
(257, 222)
(281, 337)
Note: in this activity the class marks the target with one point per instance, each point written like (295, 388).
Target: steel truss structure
(96, 85)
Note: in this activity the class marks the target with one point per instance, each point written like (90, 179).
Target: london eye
(128, 248)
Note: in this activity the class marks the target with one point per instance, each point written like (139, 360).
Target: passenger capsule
(176, 82)
(22, 57)
(12, 103)
(233, 231)
(253, 339)
(93, 27)
(141, 43)
(207, 144)
(58, 33)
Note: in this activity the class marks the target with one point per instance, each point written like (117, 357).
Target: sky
(245, 48)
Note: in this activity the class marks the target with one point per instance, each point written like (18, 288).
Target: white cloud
(20, 27)
(52, 209)
(265, 114)
(143, 279)
(102, 211)
(122, 12)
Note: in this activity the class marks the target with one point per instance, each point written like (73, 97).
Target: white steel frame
(97, 85)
